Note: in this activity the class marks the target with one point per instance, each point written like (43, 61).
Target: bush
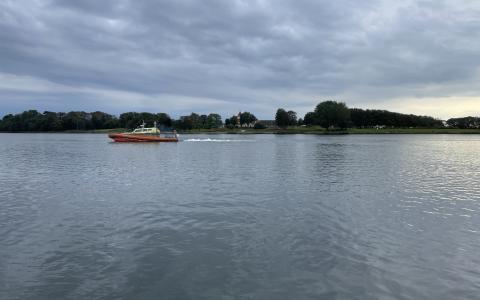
(259, 126)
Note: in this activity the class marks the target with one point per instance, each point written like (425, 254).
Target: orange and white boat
(145, 134)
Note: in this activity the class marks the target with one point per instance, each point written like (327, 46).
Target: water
(240, 217)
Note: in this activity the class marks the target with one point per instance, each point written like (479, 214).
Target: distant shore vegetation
(327, 116)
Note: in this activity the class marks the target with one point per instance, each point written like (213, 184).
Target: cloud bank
(225, 56)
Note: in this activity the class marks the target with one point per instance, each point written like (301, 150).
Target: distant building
(268, 123)
(237, 122)
(249, 125)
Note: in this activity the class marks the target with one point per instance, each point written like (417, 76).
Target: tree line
(327, 114)
(33, 120)
(332, 114)
(464, 123)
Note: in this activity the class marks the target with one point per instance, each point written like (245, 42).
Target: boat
(145, 134)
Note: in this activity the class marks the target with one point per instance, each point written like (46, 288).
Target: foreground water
(240, 217)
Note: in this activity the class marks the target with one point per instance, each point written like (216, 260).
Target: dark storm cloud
(181, 56)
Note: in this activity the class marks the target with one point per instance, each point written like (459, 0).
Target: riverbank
(323, 131)
(300, 130)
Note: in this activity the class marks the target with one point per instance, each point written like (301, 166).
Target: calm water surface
(240, 217)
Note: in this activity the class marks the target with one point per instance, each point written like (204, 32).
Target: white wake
(217, 140)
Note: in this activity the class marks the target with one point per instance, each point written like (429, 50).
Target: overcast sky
(223, 56)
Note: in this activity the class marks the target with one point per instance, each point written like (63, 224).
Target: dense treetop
(464, 123)
(285, 118)
(372, 117)
(281, 118)
(334, 114)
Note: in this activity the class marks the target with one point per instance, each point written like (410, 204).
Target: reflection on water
(240, 217)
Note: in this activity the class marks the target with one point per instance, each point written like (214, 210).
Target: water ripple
(268, 217)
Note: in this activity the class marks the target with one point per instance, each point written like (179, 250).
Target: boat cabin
(151, 130)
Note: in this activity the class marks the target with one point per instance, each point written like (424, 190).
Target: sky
(225, 56)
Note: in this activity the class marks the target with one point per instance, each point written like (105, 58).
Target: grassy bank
(319, 130)
(413, 131)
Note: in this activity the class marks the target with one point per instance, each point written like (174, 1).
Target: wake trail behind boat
(217, 140)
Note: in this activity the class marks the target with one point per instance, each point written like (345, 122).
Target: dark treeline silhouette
(285, 118)
(373, 117)
(33, 120)
(334, 114)
(133, 119)
(327, 114)
(195, 121)
(464, 123)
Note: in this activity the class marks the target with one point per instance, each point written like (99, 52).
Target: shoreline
(301, 130)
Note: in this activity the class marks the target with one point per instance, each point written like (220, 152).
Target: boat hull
(140, 138)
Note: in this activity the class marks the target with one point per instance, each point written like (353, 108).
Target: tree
(77, 120)
(51, 122)
(227, 121)
(309, 118)
(163, 119)
(184, 123)
(214, 121)
(247, 118)
(281, 118)
(292, 118)
(132, 120)
(101, 120)
(203, 121)
(332, 114)
(231, 122)
(9, 123)
(195, 120)
(464, 123)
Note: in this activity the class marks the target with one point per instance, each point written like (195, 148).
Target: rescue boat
(145, 134)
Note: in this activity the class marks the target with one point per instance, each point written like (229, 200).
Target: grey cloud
(255, 55)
